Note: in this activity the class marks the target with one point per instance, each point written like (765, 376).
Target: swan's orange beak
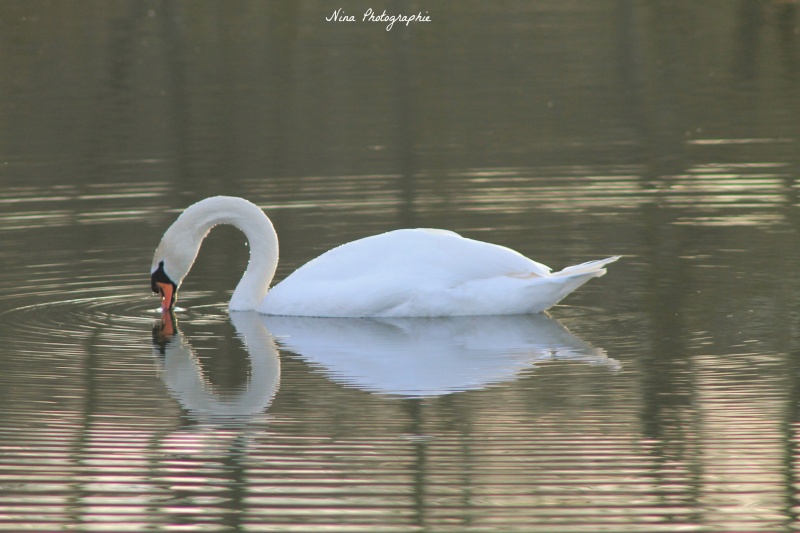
(168, 295)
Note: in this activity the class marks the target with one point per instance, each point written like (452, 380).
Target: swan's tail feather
(596, 267)
(559, 284)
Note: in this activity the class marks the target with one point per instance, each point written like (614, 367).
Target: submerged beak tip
(168, 295)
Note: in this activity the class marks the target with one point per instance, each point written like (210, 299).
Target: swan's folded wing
(372, 276)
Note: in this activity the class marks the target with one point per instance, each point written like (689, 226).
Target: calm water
(663, 397)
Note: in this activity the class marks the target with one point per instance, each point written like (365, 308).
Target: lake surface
(662, 397)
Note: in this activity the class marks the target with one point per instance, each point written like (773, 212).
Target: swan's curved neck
(263, 242)
(184, 237)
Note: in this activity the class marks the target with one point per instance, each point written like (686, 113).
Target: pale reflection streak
(742, 439)
(730, 191)
(38, 207)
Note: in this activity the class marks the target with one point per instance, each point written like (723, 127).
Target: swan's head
(163, 285)
(172, 261)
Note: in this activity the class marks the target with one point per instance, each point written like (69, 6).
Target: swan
(401, 273)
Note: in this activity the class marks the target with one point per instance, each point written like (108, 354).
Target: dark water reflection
(662, 397)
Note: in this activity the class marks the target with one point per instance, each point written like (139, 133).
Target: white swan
(402, 273)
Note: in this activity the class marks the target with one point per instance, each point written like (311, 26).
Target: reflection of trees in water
(662, 82)
(757, 22)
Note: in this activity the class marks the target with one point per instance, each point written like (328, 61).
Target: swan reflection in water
(423, 357)
(182, 373)
(404, 357)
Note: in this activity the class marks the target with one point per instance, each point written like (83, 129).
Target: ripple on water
(76, 315)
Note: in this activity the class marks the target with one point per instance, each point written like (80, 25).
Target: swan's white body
(402, 273)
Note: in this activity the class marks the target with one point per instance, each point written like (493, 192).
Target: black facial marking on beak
(159, 276)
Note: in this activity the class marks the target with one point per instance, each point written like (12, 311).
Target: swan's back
(421, 254)
(411, 272)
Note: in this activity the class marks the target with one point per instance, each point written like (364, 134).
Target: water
(661, 397)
